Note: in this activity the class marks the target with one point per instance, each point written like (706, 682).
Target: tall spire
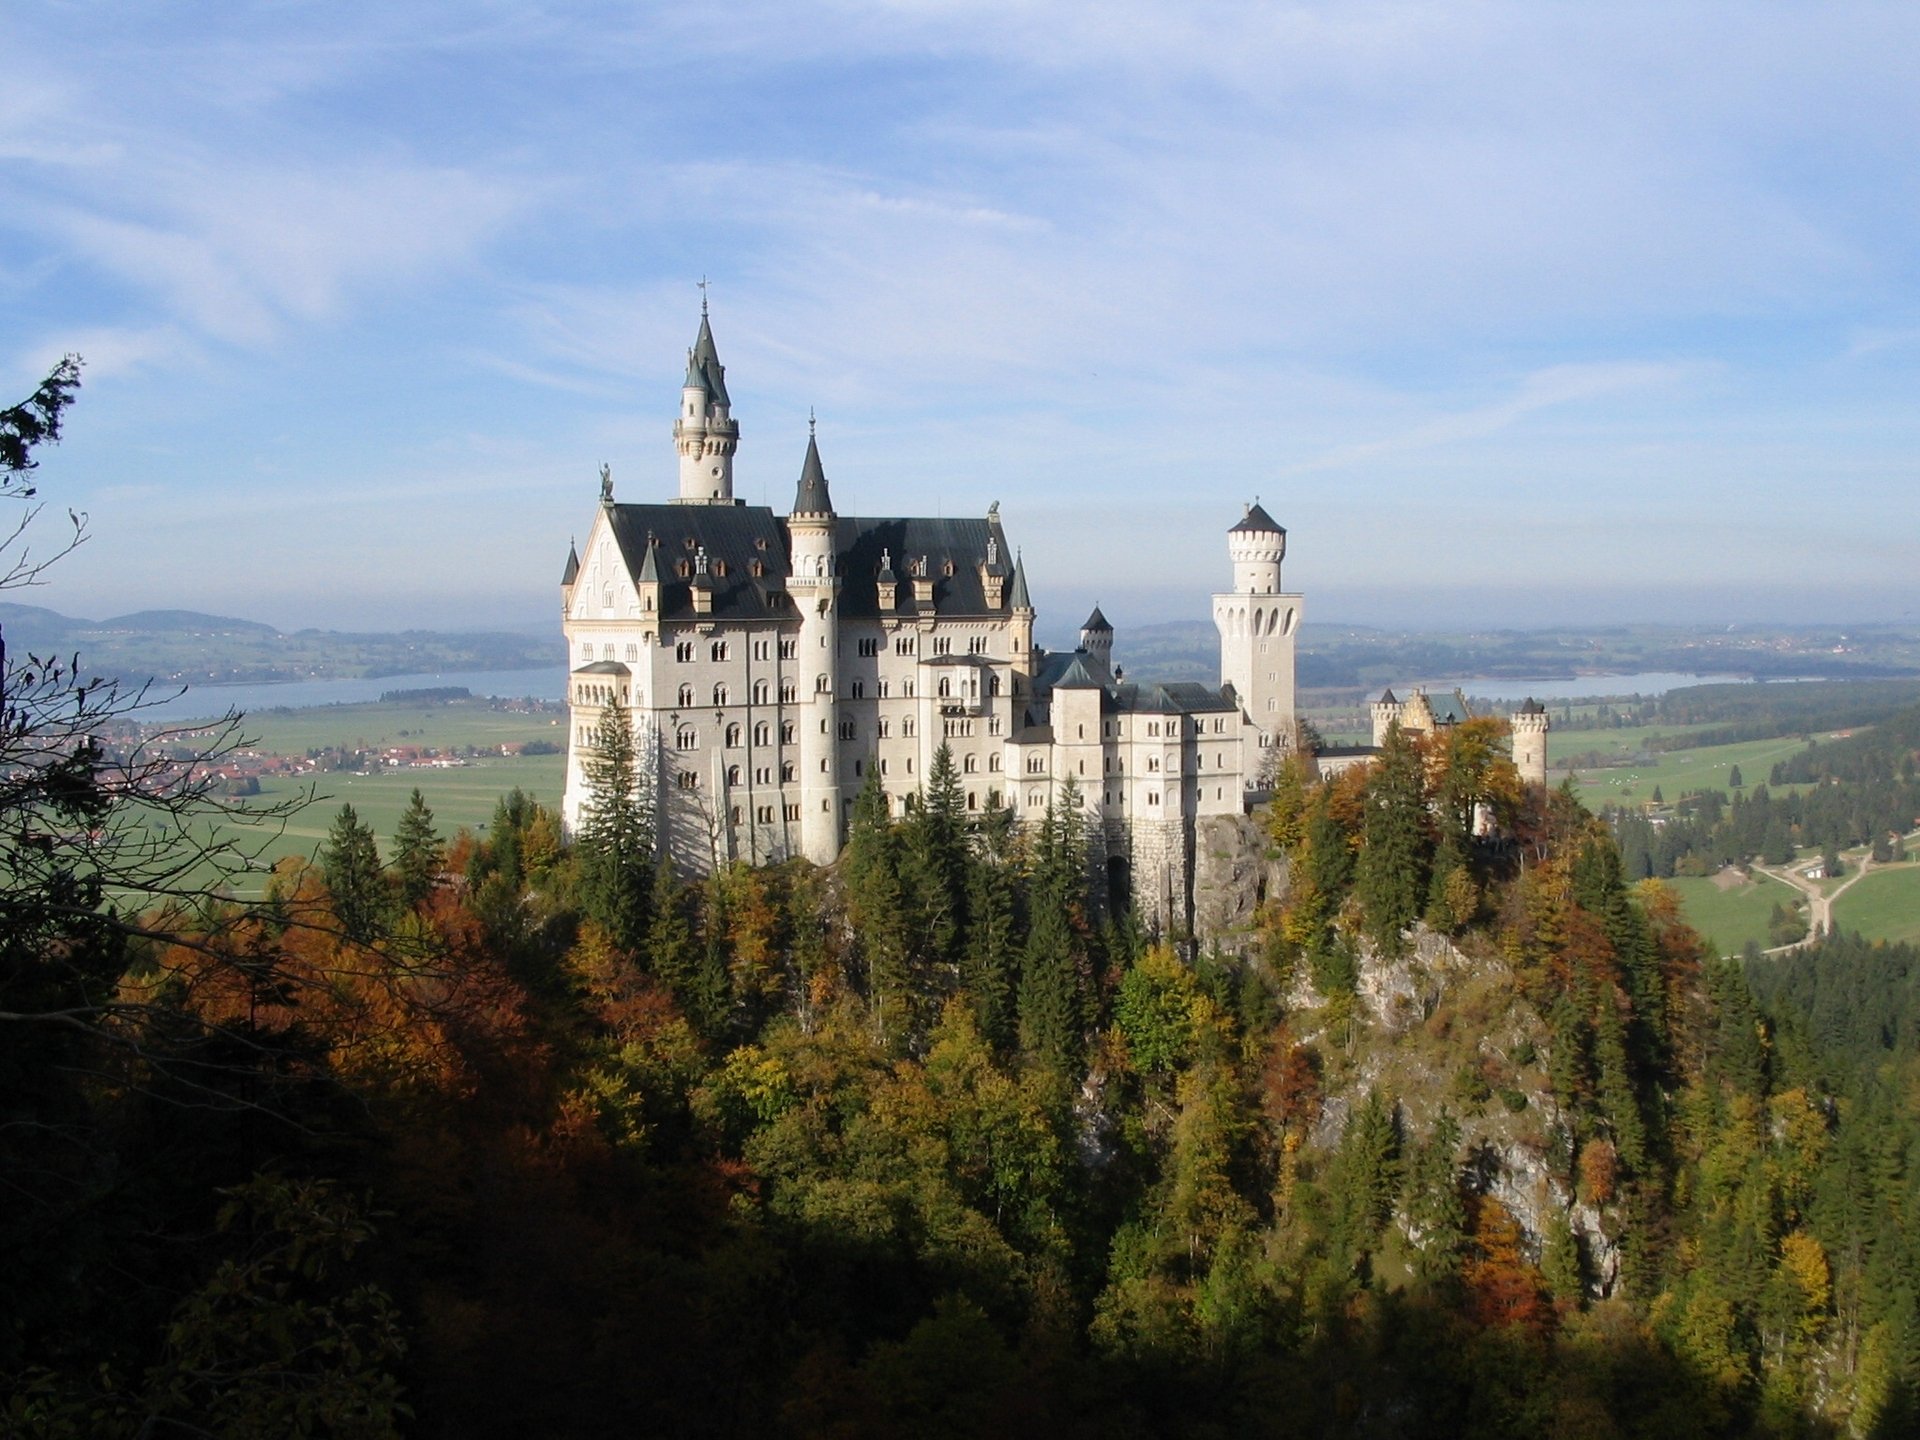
(705, 432)
(1017, 597)
(811, 498)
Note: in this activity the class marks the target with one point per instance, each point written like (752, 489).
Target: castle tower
(1096, 638)
(816, 594)
(1259, 628)
(705, 432)
(1020, 629)
(1385, 711)
(1530, 725)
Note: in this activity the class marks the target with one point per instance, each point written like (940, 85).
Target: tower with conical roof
(1259, 627)
(705, 432)
(1096, 638)
(815, 584)
(1530, 725)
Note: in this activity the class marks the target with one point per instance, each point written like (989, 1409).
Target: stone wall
(1235, 869)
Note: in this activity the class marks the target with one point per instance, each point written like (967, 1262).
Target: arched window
(970, 764)
(685, 740)
(787, 772)
(717, 651)
(686, 695)
(760, 692)
(821, 684)
(787, 692)
(733, 737)
(993, 685)
(719, 694)
(762, 733)
(733, 774)
(946, 687)
(993, 763)
(788, 730)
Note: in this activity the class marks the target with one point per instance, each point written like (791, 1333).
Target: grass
(465, 796)
(1675, 771)
(294, 732)
(1883, 905)
(1730, 918)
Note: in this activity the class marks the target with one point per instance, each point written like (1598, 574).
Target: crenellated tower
(705, 432)
(1530, 725)
(1259, 626)
(815, 585)
(1096, 638)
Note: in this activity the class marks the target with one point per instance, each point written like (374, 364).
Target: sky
(1513, 314)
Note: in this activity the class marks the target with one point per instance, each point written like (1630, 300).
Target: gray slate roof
(707, 359)
(1017, 597)
(1183, 697)
(1258, 520)
(572, 572)
(736, 536)
(1096, 622)
(811, 498)
(1448, 709)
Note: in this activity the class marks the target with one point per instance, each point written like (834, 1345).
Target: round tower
(1530, 725)
(1385, 711)
(705, 432)
(815, 587)
(1096, 638)
(1256, 546)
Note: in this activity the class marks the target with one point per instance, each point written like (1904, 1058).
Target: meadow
(1883, 905)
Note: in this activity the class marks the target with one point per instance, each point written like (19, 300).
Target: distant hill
(188, 622)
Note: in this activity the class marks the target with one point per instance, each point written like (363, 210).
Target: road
(1820, 903)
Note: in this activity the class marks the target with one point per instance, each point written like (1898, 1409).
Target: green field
(1883, 905)
(295, 732)
(1675, 772)
(1731, 917)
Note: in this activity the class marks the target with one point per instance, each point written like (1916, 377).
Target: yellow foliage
(1806, 1263)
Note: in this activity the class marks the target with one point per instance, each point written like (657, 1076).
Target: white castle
(768, 661)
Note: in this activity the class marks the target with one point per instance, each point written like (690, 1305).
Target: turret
(815, 586)
(1530, 725)
(1096, 638)
(1256, 546)
(1020, 606)
(1386, 712)
(567, 577)
(705, 433)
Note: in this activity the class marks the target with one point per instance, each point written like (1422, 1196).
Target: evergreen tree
(615, 841)
(350, 864)
(669, 943)
(871, 869)
(417, 852)
(991, 961)
(1393, 870)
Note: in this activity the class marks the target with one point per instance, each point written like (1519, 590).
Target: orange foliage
(1503, 1286)
(1599, 1172)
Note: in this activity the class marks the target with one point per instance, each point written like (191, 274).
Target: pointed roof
(1257, 521)
(649, 566)
(1533, 707)
(1387, 697)
(1096, 623)
(572, 571)
(707, 358)
(1076, 676)
(696, 377)
(811, 498)
(1017, 597)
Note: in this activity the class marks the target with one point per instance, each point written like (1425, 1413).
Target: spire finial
(703, 297)
(810, 422)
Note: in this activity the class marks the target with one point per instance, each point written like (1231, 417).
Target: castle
(768, 661)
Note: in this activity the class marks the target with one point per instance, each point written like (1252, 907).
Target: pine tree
(417, 852)
(991, 961)
(874, 905)
(1392, 873)
(350, 864)
(615, 841)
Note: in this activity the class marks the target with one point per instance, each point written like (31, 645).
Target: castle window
(858, 771)
(756, 569)
(733, 737)
(633, 653)
(906, 688)
(821, 685)
(907, 727)
(788, 731)
(733, 777)
(683, 569)
(790, 812)
(764, 814)
(993, 687)
(943, 645)
(761, 690)
(883, 767)
(788, 772)
(903, 645)
(606, 596)
(688, 780)
(1153, 762)
(762, 650)
(970, 764)
(763, 775)
(846, 730)
(977, 645)
(586, 650)
(1036, 764)
(946, 687)
(687, 739)
(1083, 732)
(1033, 799)
(881, 688)
(787, 691)
(859, 689)
(947, 569)
(719, 566)
(973, 801)
(759, 542)
(762, 733)
(789, 648)
(870, 646)
(687, 543)
(993, 725)
(1153, 797)
(717, 650)
(719, 694)
(993, 763)
(686, 695)
(1273, 705)
(884, 729)
(683, 651)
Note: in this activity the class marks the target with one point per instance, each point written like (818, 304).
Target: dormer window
(683, 569)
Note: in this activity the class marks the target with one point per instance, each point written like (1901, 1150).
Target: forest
(519, 1134)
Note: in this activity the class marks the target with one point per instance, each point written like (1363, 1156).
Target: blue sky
(1511, 313)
